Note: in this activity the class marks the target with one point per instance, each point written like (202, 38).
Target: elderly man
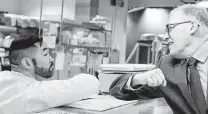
(182, 75)
(20, 90)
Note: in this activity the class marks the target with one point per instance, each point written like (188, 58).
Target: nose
(51, 59)
(167, 38)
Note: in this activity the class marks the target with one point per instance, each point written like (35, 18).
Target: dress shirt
(20, 94)
(202, 56)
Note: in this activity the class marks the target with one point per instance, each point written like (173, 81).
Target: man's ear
(27, 63)
(194, 27)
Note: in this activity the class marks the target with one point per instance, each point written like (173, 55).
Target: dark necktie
(195, 85)
(207, 96)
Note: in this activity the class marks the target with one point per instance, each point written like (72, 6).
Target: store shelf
(70, 23)
(77, 64)
(92, 26)
(73, 23)
(87, 46)
(21, 31)
(7, 29)
(91, 48)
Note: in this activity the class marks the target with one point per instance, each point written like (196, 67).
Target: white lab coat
(20, 94)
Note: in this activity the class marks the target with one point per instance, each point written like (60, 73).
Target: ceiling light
(203, 4)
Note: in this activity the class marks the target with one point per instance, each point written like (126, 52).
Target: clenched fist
(151, 78)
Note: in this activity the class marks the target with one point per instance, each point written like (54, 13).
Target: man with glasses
(181, 76)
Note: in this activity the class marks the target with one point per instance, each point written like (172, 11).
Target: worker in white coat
(20, 90)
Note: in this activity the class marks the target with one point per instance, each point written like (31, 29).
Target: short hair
(199, 12)
(20, 48)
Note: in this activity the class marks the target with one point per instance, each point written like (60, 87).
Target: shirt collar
(22, 75)
(202, 53)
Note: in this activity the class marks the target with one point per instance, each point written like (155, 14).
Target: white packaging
(59, 62)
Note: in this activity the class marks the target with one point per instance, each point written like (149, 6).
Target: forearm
(49, 94)
(141, 90)
(127, 88)
(121, 88)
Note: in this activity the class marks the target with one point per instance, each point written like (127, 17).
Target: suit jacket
(176, 93)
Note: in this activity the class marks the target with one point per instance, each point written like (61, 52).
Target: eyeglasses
(170, 27)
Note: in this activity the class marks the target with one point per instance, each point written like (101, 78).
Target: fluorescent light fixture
(136, 9)
(203, 4)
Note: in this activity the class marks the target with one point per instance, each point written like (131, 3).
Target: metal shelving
(8, 29)
(88, 47)
(74, 23)
(18, 30)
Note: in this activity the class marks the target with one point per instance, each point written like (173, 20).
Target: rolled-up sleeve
(47, 94)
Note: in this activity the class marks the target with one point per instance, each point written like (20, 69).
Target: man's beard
(43, 72)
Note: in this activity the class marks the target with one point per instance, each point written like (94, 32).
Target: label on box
(59, 62)
(50, 41)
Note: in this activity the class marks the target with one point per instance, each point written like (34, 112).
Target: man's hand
(151, 78)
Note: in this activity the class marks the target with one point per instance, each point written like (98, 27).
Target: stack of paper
(100, 103)
(53, 111)
(126, 67)
(162, 110)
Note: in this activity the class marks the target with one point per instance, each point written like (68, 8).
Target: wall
(51, 8)
(119, 18)
(156, 3)
(86, 9)
(105, 9)
(12, 6)
(153, 20)
(150, 20)
(82, 10)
